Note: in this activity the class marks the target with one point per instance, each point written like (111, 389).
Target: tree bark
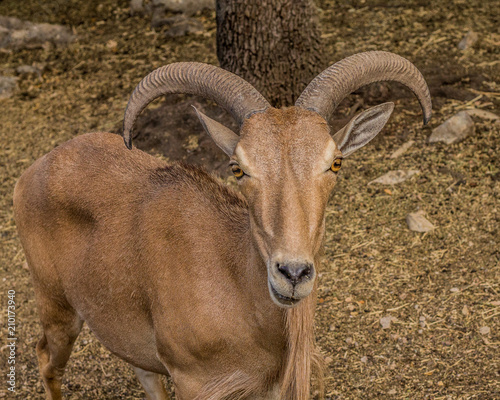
(273, 44)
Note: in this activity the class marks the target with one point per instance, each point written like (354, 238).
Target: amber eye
(237, 171)
(336, 165)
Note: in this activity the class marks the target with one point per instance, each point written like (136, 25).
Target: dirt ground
(440, 290)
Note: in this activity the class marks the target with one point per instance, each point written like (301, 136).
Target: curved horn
(229, 91)
(329, 88)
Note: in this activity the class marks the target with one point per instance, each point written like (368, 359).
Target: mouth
(282, 300)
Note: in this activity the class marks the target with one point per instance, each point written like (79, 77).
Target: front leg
(152, 384)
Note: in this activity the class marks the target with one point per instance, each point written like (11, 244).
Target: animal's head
(286, 160)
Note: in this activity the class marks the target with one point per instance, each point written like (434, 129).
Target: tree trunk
(273, 44)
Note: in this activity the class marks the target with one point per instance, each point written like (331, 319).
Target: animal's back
(85, 183)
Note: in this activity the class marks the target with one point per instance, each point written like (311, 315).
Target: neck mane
(302, 359)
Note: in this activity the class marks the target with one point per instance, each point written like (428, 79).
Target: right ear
(223, 137)
(362, 128)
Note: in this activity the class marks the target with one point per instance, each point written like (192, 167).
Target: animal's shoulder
(198, 181)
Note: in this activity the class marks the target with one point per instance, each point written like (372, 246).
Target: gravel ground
(401, 315)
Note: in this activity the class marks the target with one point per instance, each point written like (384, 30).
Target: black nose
(295, 272)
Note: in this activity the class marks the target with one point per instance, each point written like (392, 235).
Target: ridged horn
(328, 89)
(229, 91)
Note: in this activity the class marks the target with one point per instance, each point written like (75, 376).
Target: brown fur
(169, 268)
(236, 386)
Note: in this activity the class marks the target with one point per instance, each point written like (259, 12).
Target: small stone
(392, 392)
(328, 360)
(332, 328)
(386, 322)
(483, 114)
(188, 7)
(454, 129)
(112, 44)
(394, 177)
(7, 86)
(468, 40)
(484, 330)
(364, 359)
(418, 223)
(28, 70)
(28, 35)
(465, 311)
(440, 383)
(403, 149)
(454, 290)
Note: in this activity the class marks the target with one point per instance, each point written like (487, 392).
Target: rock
(364, 359)
(137, 7)
(16, 34)
(185, 27)
(399, 152)
(328, 360)
(7, 86)
(386, 321)
(469, 40)
(392, 392)
(484, 330)
(188, 7)
(159, 22)
(12, 23)
(454, 129)
(454, 290)
(28, 71)
(418, 223)
(394, 177)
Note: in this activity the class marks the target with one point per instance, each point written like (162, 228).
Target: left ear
(223, 137)
(362, 128)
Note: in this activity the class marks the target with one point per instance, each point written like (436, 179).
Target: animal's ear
(223, 137)
(362, 128)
